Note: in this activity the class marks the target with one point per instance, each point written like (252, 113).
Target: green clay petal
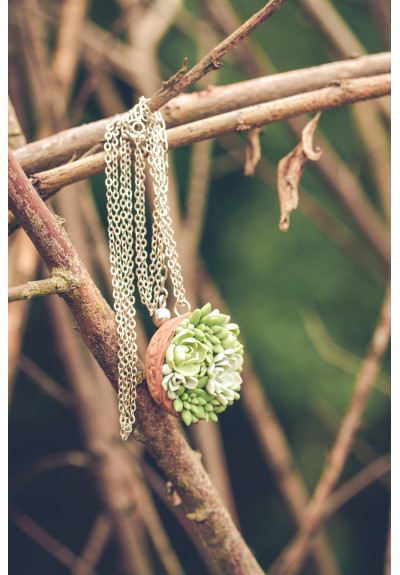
(195, 317)
(187, 417)
(178, 404)
(191, 369)
(202, 382)
(179, 355)
(205, 310)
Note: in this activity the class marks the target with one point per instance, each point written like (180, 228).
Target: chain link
(124, 210)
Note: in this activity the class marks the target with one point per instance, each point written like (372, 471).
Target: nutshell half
(193, 365)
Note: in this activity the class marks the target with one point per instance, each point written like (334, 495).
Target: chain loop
(127, 249)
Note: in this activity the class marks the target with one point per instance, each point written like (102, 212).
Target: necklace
(199, 346)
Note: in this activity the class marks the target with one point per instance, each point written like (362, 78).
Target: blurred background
(307, 301)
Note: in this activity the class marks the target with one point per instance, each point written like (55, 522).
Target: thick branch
(62, 147)
(350, 91)
(236, 121)
(58, 283)
(154, 427)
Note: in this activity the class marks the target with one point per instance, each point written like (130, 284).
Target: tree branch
(360, 481)
(155, 428)
(236, 121)
(63, 147)
(58, 283)
(212, 60)
(56, 549)
(291, 559)
(273, 442)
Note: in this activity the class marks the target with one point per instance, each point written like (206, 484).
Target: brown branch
(263, 114)
(161, 436)
(338, 32)
(108, 43)
(67, 51)
(44, 382)
(49, 463)
(212, 60)
(23, 260)
(367, 116)
(239, 120)
(273, 442)
(56, 549)
(344, 185)
(60, 148)
(172, 501)
(361, 449)
(94, 546)
(292, 557)
(58, 283)
(352, 246)
(97, 417)
(360, 481)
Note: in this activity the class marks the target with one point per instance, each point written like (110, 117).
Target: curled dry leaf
(290, 169)
(253, 151)
(307, 138)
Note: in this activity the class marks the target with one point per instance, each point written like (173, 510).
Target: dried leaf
(253, 151)
(307, 137)
(290, 169)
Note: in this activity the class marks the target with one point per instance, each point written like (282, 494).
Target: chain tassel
(128, 250)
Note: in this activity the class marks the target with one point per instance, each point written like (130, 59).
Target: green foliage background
(268, 279)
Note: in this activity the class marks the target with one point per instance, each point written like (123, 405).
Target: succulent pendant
(193, 365)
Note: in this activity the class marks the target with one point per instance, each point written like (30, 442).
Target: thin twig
(91, 81)
(44, 382)
(343, 183)
(361, 449)
(49, 463)
(326, 222)
(338, 32)
(367, 116)
(45, 540)
(98, 422)
(67, 51)
(212, 60)
(292, 557)
(357, 483)
(58, 283)
(273, 442)
(155, 528)
(94, 546)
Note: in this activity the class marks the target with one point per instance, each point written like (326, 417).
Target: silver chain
(127, 237)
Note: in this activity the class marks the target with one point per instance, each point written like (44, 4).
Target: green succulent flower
(202, 365)
(185, 353)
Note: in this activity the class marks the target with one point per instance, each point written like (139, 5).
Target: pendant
(193, 365)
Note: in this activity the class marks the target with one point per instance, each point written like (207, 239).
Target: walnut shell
(155, 359)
